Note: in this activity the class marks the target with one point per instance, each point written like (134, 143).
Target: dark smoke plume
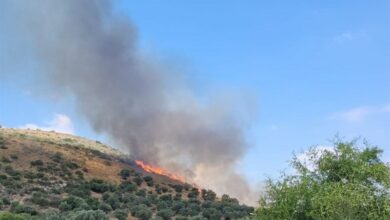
(87, 51)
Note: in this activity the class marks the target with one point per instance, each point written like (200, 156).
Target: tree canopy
(342, 182)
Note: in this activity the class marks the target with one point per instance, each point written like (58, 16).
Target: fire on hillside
(159, 170)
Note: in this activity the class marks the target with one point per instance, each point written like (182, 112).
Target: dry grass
(29, 145)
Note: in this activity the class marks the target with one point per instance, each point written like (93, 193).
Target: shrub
(52, 216)
(113, 201)
(6, 201)
(57, 157)
(148, 180)
(19, 208)
(138, 180)
(128, 187)
(193, 209)
(345, 182)
(2, 143)
(141, 193)
(5, 160)
(208, 195)
(141, 212)
(178, 188)
(10, 216)
(71, 165)
(88, 215)
(80, 174)
(93, 203)
(36, 163)
(125, 173)
(105, 207)
(98, 186)
(193, 193)
(152, 198)
(165, 214)
(177, 196)
(11, 171)
(121, 214)
(80, 189)
(212, 214)
(72, 202)
(40, 198)
(166, 197)
(162, 205)
(177, 205)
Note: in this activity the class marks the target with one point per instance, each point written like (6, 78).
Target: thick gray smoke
(87, 51)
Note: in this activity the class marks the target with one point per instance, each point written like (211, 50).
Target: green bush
(212, 214)
(5, 159)
(71, 203)
(19, 208)
(71, 165)
(98, 186)
(125, 173)
(128, 187)
(345, 182)
(36, 163)
(93, 203)
(138, 180)
(57, 157)
(178, 188)
(193, 193)
(149, 180)
(165, 214)
(79, 189)
(88, 215)
(166, 197)
(208, 195)
(121, 214)
(10, 216)
(141, 193)
(113, 201)
(105, 207)
(40, 198)
(141, 212)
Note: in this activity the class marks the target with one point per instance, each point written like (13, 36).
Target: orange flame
(159, 170)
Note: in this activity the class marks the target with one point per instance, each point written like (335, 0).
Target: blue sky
(315, 69)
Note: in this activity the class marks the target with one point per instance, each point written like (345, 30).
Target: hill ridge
(44, 173)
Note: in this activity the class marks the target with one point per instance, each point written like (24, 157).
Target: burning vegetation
(159, 171)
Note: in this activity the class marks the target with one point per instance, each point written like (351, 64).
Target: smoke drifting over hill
(88, 51)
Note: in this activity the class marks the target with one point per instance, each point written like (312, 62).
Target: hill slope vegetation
(47, 175)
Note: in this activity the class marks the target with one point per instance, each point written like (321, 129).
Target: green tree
(345, 182)
(98, 186)
(165, 214)
(121, 214)
(141, 212)
(208, 195)
(125, 173)
(212, 214)
(73, 202)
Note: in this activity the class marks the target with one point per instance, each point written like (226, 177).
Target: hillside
(48, 175)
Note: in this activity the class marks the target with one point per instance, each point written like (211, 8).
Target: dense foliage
(344, 182)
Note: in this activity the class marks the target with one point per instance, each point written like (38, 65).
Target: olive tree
(343, 182)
